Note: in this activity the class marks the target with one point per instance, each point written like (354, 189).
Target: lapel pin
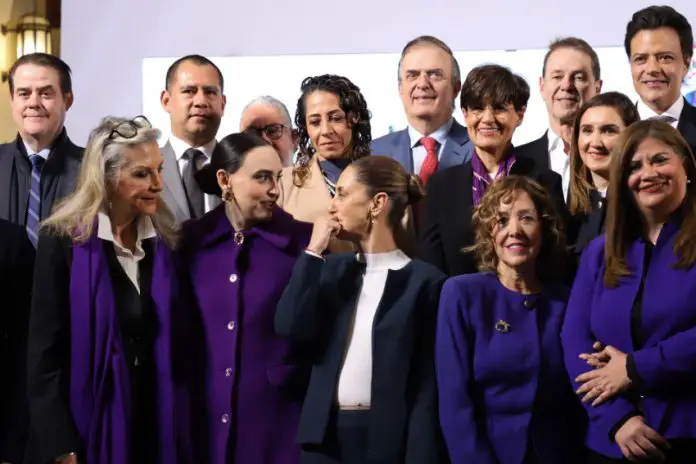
(502, 326)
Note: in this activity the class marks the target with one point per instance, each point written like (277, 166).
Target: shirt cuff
(316, 255)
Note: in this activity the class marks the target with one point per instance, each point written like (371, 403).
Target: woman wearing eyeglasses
(99, 377)
(333, 125)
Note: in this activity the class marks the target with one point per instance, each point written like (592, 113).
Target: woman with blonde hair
(99, 377)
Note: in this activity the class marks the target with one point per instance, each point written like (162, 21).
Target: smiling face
(139, 181)
(657, 178)
(491, 128)
(600, 127)
(658, 67)
(328, 126)
(517, 233)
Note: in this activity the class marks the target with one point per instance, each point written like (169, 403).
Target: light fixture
(33, 34)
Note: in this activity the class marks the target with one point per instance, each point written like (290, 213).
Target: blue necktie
(34, 209)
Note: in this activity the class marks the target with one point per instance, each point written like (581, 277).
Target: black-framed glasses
(272, 131)
(128, 129)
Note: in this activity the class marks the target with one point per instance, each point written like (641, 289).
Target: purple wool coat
(247, 383)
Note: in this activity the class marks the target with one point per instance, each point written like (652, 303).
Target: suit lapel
(687, 124)
(394, 287)
(402, 150)
(457, 149)
(173, 193)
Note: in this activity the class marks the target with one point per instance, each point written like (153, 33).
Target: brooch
(238, 238)
(502, 326)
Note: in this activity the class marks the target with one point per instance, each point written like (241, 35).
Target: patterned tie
(194, 195)
(664, 118)
(34, 207)
(430, 163)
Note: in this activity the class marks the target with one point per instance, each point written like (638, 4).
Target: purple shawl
(481, 177)
(100, 398)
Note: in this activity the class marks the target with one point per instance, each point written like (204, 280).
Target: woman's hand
(325, 227)
(638, 442)
(605, 382)
(67, 459)
(596, 359)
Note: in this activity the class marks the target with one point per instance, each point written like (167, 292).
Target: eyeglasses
(272, 131)
(129, 129)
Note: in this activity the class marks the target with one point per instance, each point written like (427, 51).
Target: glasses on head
(272, 131)
(128, 129)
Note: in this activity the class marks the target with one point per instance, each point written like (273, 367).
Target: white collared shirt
(126, 258)
(559, 161)
(355, 378)
(418, 151)
(42, 153)
(674, 111)
(180, 147)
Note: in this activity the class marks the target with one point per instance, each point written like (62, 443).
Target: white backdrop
(375, 74)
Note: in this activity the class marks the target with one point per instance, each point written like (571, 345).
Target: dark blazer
(582, 229)
(58, 177)
(317, 307)
(665, 375)
(538, 150)
(505, 390)
(446, 222)
(687, 124)
(16, 273)
(397, 145)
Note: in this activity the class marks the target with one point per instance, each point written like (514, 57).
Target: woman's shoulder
(427, 271)
(471, 283)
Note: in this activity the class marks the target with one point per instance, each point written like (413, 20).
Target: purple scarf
(100, 397)
(481, 177)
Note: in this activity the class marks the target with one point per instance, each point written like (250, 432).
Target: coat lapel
(457, 149)
(687, 124)
(402, 150)
(173, 193)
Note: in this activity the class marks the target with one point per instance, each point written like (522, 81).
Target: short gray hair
(270, 101)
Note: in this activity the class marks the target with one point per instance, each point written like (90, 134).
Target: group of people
(298, 292)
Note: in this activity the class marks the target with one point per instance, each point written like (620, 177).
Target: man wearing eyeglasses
(194, 99)
(269, 118)
(41, 165)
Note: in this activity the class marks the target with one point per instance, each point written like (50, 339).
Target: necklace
(238, 238)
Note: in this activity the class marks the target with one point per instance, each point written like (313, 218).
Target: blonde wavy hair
(552, 255)
(103, 159)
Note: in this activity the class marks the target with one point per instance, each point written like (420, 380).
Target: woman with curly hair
(504, 393)
(333, 125)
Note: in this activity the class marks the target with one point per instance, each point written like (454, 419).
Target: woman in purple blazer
(635, 292)
(99, 376)
(504, 392)
(234, 262)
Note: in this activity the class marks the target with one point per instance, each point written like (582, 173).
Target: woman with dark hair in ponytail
(247, 383)
(371, 320)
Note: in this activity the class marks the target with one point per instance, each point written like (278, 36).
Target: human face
(272, 125)
(600, 128)
(658, 67)
(139, 181)
(568, 82)
(351, 206)
(517, 233)
(425, 84)
(254, 186)
(38, 104)
(195, 103)
(328, 127)
(491, 128)
(657, 179)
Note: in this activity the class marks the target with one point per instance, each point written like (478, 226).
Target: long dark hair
(352, 103)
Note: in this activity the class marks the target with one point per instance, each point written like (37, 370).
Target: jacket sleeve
(298, 314)
(53, 430)
(425, 442)
(465, 435)
(577, 338)
(430, 248)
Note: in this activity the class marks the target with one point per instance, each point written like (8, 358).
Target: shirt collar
(675, 110)
(440, 134)
(391, 260)
(43, 153)
(145, 229)
(554, 140)
(180, 147)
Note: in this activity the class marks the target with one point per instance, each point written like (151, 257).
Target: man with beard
(570, 76)
(194, 99)
(659, 44)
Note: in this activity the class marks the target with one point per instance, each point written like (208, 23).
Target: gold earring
(226, 195)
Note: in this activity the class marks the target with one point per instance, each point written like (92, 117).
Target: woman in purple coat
(247, 382)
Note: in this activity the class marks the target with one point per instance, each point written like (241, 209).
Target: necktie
(193, 192)
(430, 163)
(664, 118)
(34, 204)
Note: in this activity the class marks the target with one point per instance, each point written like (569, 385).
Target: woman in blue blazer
(370, 319)
(505, 397)
(635, 292)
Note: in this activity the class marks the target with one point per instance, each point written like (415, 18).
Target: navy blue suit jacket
(397, 145)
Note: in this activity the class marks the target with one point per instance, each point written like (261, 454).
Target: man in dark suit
(193, 97)
(16, 275)
(40, 166)
(569, 77)
(429, 81)
(659, 44)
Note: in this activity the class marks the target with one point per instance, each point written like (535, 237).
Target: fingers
(603, 397)
(656, 438)
(587, 376)
(649, 448)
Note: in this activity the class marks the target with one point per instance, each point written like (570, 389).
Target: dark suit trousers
(346, 442)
